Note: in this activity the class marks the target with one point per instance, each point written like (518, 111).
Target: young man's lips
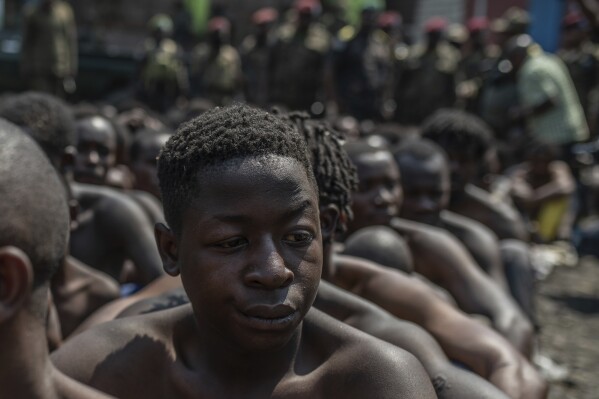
(269, 311)
(267, 317)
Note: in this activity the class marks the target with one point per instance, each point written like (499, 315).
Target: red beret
(219, 24)
(477, 24)
(389, 18)
(264, 16)
(435, 24)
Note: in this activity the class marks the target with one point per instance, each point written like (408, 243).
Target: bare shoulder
(120, 351)
(359, 365)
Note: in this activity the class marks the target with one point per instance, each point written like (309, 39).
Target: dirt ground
(568, 309)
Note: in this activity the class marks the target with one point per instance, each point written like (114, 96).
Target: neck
(25, 367)
(245, 369)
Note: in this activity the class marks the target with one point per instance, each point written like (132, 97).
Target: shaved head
(34, 215)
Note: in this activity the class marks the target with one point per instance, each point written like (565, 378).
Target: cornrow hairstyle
(456, 130)
(217, 136)
(47, 119)
(334, 172)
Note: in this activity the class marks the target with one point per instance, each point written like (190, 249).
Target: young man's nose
(268, 269)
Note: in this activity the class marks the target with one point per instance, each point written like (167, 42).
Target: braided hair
(334, 172)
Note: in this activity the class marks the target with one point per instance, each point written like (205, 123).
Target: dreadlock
(335, 173)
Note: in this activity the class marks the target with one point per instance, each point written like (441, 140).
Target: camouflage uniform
(49, 48)
(163, 75)
(363, 69)
(298, 65)
(216, 73)
(256, 59)
(426, 82)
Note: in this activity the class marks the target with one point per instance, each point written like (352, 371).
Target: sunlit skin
(379, 194)
(144, 166)
(426, 187)
(437, 255)
(250, 256)
(96, 150)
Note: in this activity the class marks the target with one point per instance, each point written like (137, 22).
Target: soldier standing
(49, 49)
(427, 80)
(363, 67)
(163, 74)
(256, 57)
(299, 59)
(216, 66)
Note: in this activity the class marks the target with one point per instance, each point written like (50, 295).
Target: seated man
(468, 142)
(426, 187)
(96, 160)
(437, 255)
(482, 350)
(381, 245)
(33, 244)
(543, 187)
(109, 228)
(251, 273)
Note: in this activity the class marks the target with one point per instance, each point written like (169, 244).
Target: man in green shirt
(549, 103)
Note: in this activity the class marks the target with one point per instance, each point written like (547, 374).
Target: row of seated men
(288, 261)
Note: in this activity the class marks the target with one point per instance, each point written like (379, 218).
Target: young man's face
(379, 194)
(464, 168)
(426, 187)
(250, 251)
(144, 168)
(96, 150)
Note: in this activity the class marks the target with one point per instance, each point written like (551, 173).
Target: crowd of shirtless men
(240, 252)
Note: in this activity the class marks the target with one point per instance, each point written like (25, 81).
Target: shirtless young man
(33, 242)
(438, 256)
(543, 187)
(468, 142)
(108, 226)
(242, 205)
(484, 351)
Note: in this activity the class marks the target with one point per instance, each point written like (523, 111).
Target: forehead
(376, 164)
(273, 182)
(418, 171)
(96, 129)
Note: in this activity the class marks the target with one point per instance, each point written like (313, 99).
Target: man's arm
(448, 380)
(481, 243)
(442, 259)
(481, 349)
(125, 221)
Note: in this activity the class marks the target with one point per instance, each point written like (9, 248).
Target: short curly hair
(46, 118)
(454, 129)
(335, 174)
(215, 137)
(34, 215)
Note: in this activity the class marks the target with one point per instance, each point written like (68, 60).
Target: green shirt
(544, 77)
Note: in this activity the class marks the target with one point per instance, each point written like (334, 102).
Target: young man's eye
(231, 243)
(300, 237)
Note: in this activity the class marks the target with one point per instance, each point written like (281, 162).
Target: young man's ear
(329, 217)
(16, 281)
(168, 249)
